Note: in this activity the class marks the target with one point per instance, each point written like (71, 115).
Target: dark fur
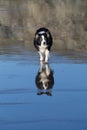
(47, 35)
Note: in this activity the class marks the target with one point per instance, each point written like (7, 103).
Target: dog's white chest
(42, 48)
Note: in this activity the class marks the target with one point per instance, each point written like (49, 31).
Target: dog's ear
(36, 36)
(48, 35)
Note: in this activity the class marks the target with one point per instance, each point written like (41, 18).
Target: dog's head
(42, 38)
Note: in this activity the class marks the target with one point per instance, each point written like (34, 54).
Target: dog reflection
(44, 80)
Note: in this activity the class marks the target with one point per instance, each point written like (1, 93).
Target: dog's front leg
(41, 56)
(41, 67)
(47, 70)
(46, 56)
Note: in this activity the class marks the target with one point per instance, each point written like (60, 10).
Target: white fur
(42, 32)
(43, 41)
(43, 51)
(46, 55)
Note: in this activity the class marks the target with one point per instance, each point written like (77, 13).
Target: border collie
(43, 42)
(44, 80)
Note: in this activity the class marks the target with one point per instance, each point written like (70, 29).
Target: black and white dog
(44, 80)
(43, 42)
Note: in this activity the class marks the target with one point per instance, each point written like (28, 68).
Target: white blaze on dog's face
(43, 41)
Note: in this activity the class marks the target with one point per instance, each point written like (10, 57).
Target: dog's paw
(41, 61)
(46, 62)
